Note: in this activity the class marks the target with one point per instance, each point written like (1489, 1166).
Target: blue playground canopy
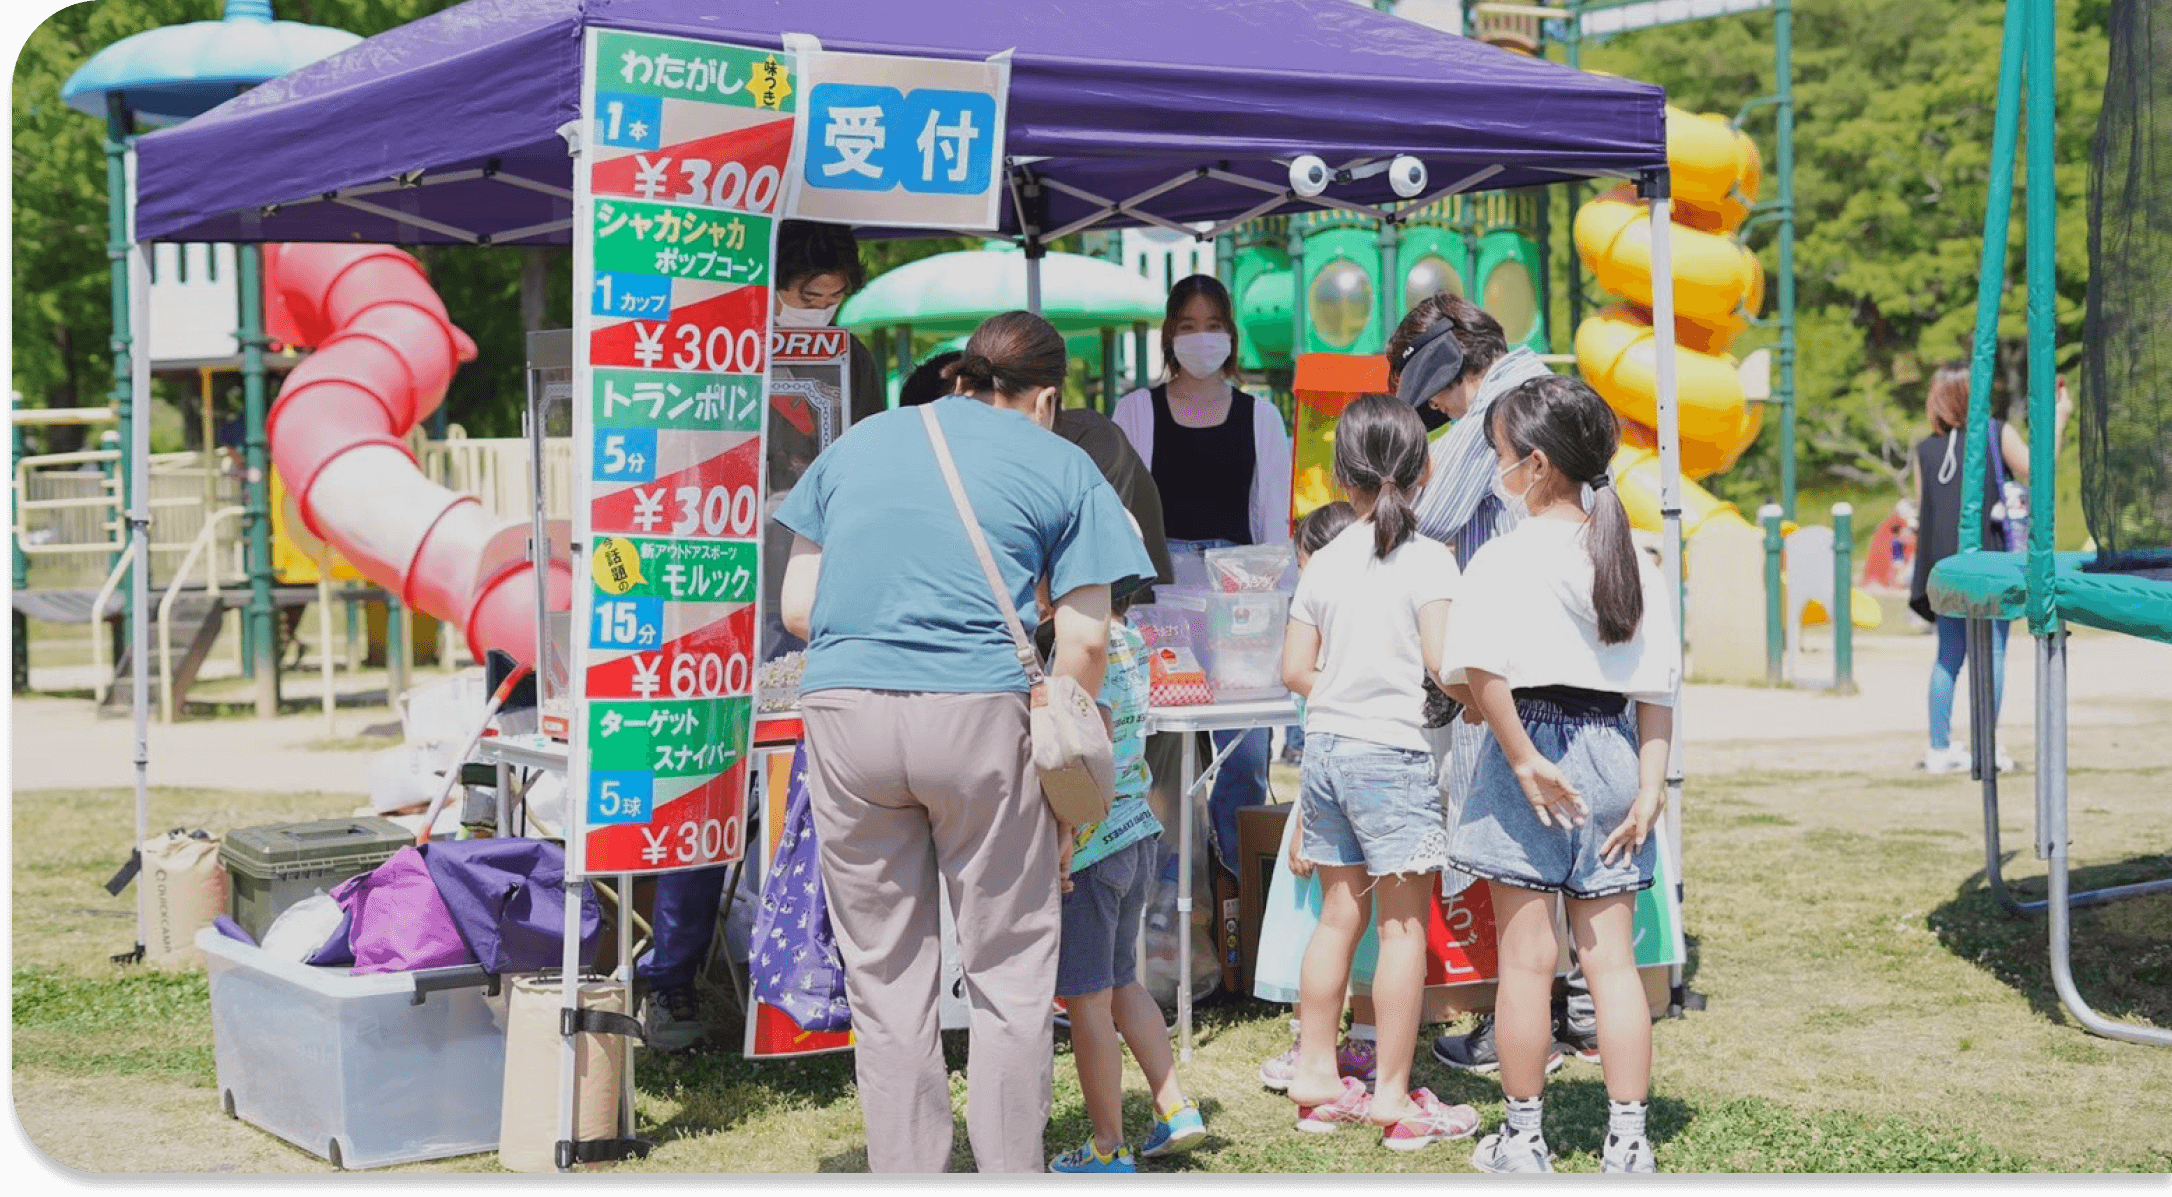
(447, 129)
(175, 72)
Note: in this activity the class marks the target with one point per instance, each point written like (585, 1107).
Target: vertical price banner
(687, 145)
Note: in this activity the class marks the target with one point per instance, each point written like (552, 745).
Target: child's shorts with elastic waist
(1372, 805)
(1499, 836)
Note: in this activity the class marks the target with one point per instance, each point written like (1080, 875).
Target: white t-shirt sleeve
(1305, 603)
(1480, 624)
(1434, 576)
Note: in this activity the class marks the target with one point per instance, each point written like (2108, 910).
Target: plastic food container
(272, 867)
(349, 1068)
(1238, 638)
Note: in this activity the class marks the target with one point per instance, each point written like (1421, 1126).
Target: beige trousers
(908, 791)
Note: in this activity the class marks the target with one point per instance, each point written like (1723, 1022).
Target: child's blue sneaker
(1180, 1131)
(1088, 1158)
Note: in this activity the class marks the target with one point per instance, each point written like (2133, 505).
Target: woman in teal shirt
(916, 715)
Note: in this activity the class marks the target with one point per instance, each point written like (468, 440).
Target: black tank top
(1938, 522)
(1205, 474)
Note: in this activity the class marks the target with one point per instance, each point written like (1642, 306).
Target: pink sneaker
(1350, 1108)
(1434, 1122)
(1276, 1074)
(1356, 1059)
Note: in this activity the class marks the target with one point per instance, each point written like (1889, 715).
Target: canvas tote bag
(1071, 748)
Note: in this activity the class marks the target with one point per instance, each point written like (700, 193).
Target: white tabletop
(1224, 716)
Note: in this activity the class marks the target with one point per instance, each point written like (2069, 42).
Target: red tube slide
(385, 352)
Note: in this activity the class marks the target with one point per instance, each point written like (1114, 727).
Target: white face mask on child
(1516, 504)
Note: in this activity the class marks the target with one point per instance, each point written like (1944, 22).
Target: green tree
(1894, 114)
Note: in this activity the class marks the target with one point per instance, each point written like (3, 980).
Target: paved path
(2115, 682)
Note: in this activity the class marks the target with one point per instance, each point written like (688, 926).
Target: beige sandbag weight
(528, 1126)
(181, 888)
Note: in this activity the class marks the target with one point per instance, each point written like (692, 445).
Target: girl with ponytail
(1371, 610)
(1565, 645)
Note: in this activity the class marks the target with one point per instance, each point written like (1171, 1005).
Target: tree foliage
(1894, 113)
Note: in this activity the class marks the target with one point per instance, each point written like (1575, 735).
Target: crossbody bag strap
(1019, 639)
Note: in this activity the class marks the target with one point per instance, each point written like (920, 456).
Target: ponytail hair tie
(1601, 482)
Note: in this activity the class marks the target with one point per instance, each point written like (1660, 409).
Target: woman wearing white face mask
(818, 269)
(1221, 459)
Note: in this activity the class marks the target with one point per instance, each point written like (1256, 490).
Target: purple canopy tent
(447, 129)
(1121, 113)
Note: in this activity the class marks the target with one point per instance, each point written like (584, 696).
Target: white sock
(1296, 1026)
(1524, 1117)
(1363, 1030)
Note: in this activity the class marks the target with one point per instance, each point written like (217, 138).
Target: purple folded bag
(507, 899)
(397, 921)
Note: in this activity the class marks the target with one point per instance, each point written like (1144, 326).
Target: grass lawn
(1870, 1010)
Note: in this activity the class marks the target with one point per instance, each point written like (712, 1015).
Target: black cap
(1431, 366)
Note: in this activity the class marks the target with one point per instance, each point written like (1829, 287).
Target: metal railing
(204, 541)
(495, 471)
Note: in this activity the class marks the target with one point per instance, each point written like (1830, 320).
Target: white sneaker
(1627, 1155)
(1951, 759)
(1498, 1153)
(2000, 761)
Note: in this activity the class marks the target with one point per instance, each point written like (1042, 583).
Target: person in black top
(1221, 459)
(1938, 463)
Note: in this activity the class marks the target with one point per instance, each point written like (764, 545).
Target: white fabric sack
(303, 927)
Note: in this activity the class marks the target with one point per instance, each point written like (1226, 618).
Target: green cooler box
(272, 867)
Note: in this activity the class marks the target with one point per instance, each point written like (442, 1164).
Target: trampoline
(2124, 585)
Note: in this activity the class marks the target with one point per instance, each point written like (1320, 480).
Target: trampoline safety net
(2126, 413)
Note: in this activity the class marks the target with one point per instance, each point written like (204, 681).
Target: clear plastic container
(1238, 638)
(347, 1067)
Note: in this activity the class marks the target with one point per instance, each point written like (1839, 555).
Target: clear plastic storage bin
(349, 1068)
(1238, 638)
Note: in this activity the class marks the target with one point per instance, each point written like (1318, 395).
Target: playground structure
(385, 353)
(2125, 586)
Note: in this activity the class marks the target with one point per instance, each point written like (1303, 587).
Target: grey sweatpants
(908, 791)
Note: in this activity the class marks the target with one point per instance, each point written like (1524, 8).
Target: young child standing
(1110, 865)
(1367, 617)
(1294, 896)
(1564, 642)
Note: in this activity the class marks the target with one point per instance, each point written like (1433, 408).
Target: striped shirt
(1457, 507)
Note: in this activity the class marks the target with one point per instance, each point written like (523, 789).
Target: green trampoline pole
(1991, 272)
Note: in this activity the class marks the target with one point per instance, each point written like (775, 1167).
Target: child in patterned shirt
(1110, 865)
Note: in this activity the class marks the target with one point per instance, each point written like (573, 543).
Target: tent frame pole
(1657, 190)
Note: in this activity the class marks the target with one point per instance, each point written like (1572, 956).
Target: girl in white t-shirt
(1369, 612)
(1564, 643)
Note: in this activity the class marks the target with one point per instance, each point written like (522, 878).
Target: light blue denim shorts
(1372, 805)
(1500, 838)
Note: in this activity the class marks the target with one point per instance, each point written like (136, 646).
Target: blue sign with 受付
(928, 141)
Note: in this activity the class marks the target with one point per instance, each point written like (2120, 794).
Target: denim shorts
(1500, 838)
(1101, 918)
(1370, 804)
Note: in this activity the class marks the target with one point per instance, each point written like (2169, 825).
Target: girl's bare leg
(1523, 1025)
(1399, 988)
(1605, 931)
(1324, 979)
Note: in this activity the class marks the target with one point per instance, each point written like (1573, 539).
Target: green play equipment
(2125, 584)
(1086, 298)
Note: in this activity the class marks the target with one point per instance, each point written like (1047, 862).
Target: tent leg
(2051, 771)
